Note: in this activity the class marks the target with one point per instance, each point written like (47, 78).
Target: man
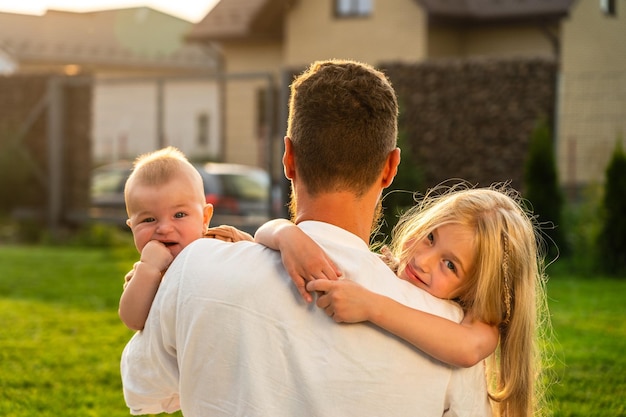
(229, 334)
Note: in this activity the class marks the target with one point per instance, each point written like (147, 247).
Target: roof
(496, 10)
(242, 19)
(138, 36)
(262, 19)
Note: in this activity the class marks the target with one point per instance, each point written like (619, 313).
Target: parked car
(240, 194)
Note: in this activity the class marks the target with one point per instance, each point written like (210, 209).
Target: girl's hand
(343, 300)
(304, 260)
(228, 234)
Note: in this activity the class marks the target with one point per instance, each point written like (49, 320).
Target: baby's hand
(227, 234)
(344, 300)
(130, 275)
(157, 255)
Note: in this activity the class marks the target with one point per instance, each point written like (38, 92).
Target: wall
(396, 30)
(592, 100)
(512, 40)
(253, 63)
(472, 119)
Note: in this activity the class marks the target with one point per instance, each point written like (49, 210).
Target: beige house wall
(395, 31)
(528, 41)
(244, 142)
(592, 99)
(493, 41)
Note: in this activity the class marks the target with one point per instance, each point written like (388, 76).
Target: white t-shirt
(229, 335)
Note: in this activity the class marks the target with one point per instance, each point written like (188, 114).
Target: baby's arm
(461, 344)
(228, 234)
(142, 284)
(303, 259)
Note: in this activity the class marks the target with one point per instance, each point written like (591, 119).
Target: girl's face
(441, 260)
(172, 213)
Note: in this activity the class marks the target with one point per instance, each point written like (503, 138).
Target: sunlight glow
(191, 10)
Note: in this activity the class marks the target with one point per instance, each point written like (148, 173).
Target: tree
(612, 237)
(542, 190)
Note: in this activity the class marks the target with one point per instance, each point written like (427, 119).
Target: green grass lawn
(589, 320)
(61, 339)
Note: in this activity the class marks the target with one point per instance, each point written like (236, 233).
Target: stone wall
(472, 119)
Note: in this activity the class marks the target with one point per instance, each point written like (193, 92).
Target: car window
(244, 187)
(109, 182)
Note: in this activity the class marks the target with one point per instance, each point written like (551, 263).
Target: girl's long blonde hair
(506, 287)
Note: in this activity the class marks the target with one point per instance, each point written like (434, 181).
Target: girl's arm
(303, 259)
(142, 284)
(461, 344)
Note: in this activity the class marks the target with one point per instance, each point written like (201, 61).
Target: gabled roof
(496, 10)
(132, 37)
(242, 19)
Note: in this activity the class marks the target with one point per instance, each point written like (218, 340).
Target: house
(150, 88)
(280, 37)
(592, 102)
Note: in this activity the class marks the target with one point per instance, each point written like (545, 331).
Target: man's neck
(339, 209)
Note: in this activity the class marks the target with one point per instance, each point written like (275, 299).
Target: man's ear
(130, 226)
(391, 167)
(288, 160)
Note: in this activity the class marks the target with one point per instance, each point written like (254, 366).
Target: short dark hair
(343, 123)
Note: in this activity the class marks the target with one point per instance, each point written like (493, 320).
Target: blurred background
(84, 87)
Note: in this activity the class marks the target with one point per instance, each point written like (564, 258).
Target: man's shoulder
(417, 298)
(216, 250)
(221, 244)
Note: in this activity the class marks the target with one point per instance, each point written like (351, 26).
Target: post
(159, 115)
(55, 154)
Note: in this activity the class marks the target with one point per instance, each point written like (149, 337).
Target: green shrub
(582, 225)
(612, 239)
(541, 188)
(399, 196)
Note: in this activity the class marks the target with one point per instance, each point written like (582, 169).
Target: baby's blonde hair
(505, 288)
(159, 167)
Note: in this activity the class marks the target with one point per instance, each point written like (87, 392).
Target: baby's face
(172, 213)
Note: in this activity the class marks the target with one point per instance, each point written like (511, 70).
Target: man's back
(244, 343)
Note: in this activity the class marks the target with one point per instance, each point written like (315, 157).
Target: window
(353, 8)
(608, 7)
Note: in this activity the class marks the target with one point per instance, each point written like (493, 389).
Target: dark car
(240, 194)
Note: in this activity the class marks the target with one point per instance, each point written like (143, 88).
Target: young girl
(477, 247)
